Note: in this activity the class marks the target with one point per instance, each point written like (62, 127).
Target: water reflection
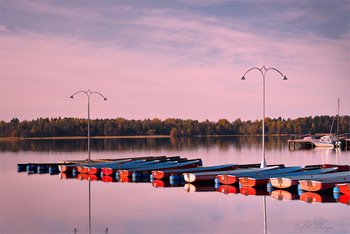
(124, 144)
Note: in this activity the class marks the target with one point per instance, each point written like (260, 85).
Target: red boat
(290, 181)
(340, 167)
(210, 176)
(181, 165)
(344, 188)
(160, 174)
(324, 183)
(264, 179)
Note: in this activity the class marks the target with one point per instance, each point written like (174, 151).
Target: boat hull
(251, 182)
(344, 188)
(283, 183)
(314, 186)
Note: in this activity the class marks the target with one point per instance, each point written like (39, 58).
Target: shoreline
(119, 137)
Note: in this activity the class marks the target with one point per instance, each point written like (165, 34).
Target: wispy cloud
(166, 62)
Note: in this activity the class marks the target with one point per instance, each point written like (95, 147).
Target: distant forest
(61, 127)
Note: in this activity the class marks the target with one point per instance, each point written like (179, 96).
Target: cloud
(167, 63)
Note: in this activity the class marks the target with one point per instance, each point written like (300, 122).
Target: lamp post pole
(88, 94)
(263, 71)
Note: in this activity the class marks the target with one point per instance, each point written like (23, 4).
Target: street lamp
(263, 71)
(88, 94)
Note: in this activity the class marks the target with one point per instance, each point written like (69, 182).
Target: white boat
(329, 141)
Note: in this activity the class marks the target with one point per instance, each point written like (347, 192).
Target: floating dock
(300, 144)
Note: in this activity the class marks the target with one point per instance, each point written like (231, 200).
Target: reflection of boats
(198, 188)
(289, 181)
(163, 184)
(247, 191)
(321, 184)
(345, 199)
(257, 180)
(283, 195)
(109, 179)
(159, 174)
(226, 189)
(88, 177)
(210, 176)
(64, 176)
(310, 197)
(344, 188)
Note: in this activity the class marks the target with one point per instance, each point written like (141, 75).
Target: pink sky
(179, 60)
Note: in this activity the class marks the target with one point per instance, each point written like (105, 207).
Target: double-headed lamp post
(263, 71)
(88, 94)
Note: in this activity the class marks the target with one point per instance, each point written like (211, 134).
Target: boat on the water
(234, 178)
(160, 174)
(321, 184)
(256, 180)
(293, 180)
(179, 165)
(329, 141)
(108, 170)
(210, 176)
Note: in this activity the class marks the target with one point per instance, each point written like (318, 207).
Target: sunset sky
(173, 59)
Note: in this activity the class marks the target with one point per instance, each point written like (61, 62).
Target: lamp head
(243, 78)
(284, 78)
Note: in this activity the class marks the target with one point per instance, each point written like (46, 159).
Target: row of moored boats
(309, 178)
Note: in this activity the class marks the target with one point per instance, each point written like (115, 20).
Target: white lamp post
(88, 94)
(263, 71)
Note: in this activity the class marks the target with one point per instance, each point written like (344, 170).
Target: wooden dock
(300, 144)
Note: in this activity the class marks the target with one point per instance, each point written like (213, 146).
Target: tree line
(62, 127)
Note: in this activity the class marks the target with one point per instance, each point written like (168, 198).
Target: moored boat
(138, 164)
(160, 174)
(290, 181)
(210, 176)
(320, 184)
(328, 141)
(257, 180)
(178, 165)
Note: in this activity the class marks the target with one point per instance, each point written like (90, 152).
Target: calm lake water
(43, 203)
